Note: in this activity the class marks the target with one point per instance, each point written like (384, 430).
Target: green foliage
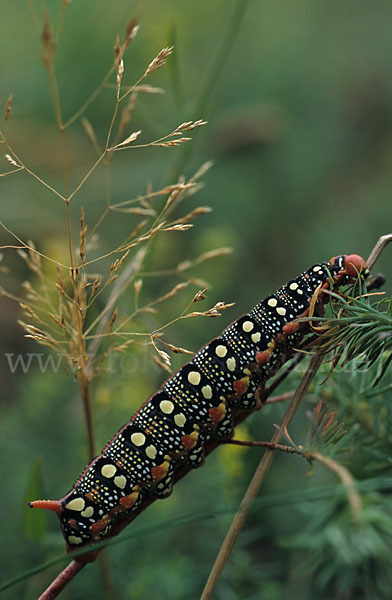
(359, 329)
(345, 559)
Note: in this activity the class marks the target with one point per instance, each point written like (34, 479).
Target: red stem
(62, 580)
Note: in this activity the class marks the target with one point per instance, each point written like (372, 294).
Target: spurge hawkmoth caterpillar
(195, 405)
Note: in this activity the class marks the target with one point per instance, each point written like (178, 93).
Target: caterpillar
(194, 406)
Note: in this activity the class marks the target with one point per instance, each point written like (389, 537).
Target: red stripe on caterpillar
(194, 407)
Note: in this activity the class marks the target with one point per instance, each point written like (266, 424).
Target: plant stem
(25, 168)
(257, 481)
(62, 580)
(271, 445)
(378, 248)
(280, 398)
(86, 399)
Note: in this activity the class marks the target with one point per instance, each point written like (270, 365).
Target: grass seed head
(131, 138)
(171, 143)
(159, 60)
(8, 108)
(117, 52)
(120, 72)
(199, 296)
(47, 43)
(12, 161)
(161, 364)
(88, 128)
(131, 31)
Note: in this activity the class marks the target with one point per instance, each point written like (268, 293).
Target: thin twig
(25, 168)
(280, 397)
(270, 445)
(62, 580)
(378, 248)
(86, 401)
(257, 481)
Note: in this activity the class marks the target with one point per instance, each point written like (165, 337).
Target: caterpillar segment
(195, 405)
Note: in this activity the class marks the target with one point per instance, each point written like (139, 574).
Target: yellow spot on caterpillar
(231, 363)
(75, 504)
(88, 512)
(151, 452)
(281, 311)
(138, 439)
(166, 407)
(120, 481)
(293, 286)
(206, 390)
(247, 326)
(221, 351)
(180, 420)
(74, 539)
(256, 337)
(272, 302)
(317, 268)
(194, 377)
(108, 470)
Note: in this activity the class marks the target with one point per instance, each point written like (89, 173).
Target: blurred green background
(299, 113)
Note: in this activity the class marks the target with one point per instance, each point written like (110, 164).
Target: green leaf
(34, 522)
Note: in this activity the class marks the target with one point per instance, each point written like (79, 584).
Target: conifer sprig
(358, 329)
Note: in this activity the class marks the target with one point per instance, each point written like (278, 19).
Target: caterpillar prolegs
(194, 406)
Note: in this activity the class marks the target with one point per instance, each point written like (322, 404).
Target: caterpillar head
(350, 266)
(69, 517)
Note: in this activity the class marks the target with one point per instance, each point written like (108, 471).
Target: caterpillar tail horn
(54, 505)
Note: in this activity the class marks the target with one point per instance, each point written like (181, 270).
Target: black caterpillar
(193, 406)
